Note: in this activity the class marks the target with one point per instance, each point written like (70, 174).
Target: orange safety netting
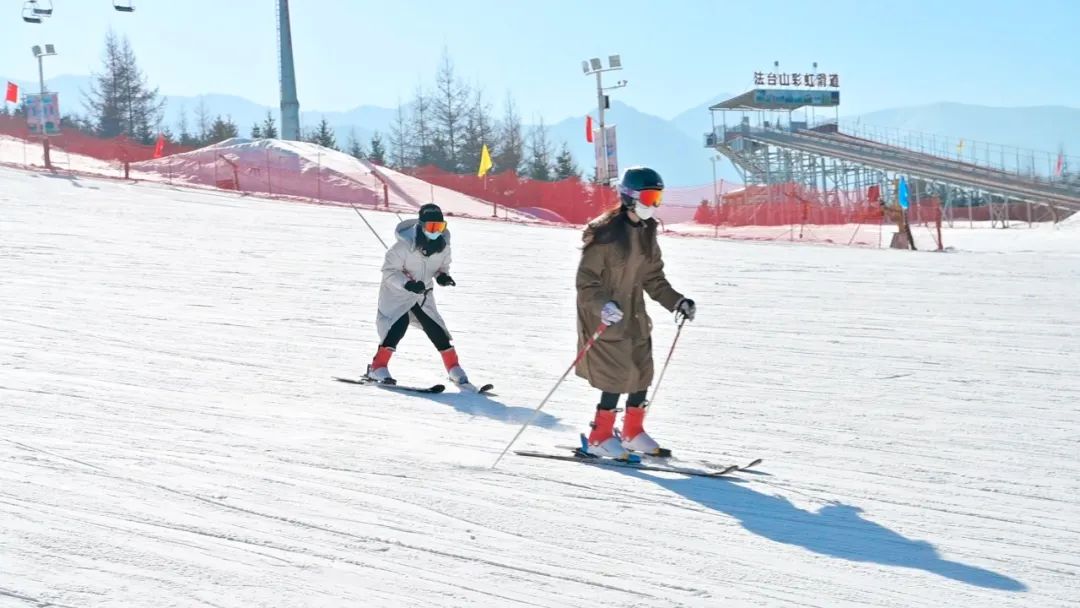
(76, 142)
(790, 204)
(570, 200)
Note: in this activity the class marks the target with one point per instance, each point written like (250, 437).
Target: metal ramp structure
(838, 166)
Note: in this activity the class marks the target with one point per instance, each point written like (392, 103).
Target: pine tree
(401, 144)
(565, 167)
(509, 152)
(202, 121)
(539, 161)
(256, 131)
(324, 135)
(423, 134)
(378, 150)
(451, 105)
(120, 100)
(221, 130)
(478, 131)
(355, 148)
(185, 137)
(269, 129)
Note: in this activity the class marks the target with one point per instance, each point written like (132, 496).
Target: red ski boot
(634, 437)
(379, 370)
(602, 439)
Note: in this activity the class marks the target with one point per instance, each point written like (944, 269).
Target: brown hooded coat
(621, 359)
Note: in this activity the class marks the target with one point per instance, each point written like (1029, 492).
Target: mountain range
(672, 145)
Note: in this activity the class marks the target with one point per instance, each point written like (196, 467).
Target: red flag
(12, 93)
(159, 148)
(588, 129)
(1060, 164)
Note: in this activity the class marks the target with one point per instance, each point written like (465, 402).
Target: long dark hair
(614, 227)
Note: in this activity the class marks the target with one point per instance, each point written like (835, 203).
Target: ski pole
(368, 224)
(536, 412)
(660, 378)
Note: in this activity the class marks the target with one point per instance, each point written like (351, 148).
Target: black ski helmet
(431, 213)
(636, 179)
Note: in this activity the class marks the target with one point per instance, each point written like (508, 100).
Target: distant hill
(673, 146)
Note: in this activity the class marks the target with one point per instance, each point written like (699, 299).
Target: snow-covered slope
(295, 168)
(171, 436)
(15, 151)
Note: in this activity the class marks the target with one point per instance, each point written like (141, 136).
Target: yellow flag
(485, 161)
(960, 147)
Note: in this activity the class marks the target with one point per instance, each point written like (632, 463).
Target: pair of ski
(643, 462)
(433, 389)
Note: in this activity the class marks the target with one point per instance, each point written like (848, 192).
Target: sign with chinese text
(797, 79)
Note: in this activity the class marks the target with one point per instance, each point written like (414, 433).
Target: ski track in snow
(171, 435)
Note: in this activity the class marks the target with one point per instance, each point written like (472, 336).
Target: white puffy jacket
(404, 262)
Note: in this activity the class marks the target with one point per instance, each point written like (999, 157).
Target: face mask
(432, 235)
(644, 211)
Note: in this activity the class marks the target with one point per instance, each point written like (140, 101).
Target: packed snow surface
(171, 435)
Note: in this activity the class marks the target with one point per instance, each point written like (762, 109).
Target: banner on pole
(43, 114)
(612, 153)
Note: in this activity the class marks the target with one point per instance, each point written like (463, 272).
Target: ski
(435, 388)
(664, 458)
(480, 390)
(703, 463)
(637, 465)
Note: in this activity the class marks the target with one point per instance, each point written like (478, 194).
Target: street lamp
(716, 196)
(49, 51)
(595, 66)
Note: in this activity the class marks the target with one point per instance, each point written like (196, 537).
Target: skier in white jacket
(420, 254)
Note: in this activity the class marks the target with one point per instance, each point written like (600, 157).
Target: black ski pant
(434, 331)
(609, 401)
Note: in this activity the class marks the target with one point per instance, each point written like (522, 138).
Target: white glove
(685, 309)
(611, 314)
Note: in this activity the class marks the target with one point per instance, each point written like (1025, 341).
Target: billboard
(795, 98)
(43, 113)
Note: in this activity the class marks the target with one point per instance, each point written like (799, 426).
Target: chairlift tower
(290, 105)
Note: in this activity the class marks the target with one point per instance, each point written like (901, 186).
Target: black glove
(685, 309)
(415, 286)
(444, 279)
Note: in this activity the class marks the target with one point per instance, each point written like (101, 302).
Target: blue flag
(902, 193)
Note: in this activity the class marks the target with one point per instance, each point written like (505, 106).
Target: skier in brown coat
(619, 261)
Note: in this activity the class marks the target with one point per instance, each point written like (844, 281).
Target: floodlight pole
(601, 172)
(595, 67)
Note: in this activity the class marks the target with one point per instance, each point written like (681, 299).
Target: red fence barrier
(572, 200)
(791, 204)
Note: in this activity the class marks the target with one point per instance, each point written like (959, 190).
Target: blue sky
(676, 53)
